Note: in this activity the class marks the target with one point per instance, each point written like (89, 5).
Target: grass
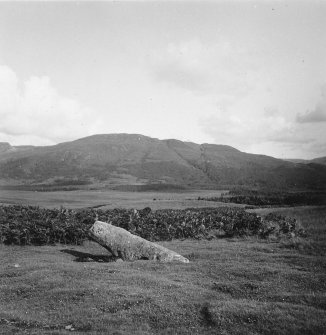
(108, 199)
(231, 286)
(313, 219)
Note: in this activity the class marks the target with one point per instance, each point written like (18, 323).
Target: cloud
(318, 148)
(242, 130)
(289, 137)
(268, 132)
(318, 114)
(223, 70)
(34, 110)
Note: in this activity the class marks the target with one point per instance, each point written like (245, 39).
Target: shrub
(26, 225)
(276, 225)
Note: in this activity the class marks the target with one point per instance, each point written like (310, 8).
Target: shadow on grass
(86, 257)
(207, 317)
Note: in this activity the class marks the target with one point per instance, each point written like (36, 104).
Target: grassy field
(314, 221)
(231, 286)
(107, 199)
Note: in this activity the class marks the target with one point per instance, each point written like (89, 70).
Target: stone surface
(120, 243)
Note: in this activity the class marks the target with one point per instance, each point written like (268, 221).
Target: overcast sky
(250, 74)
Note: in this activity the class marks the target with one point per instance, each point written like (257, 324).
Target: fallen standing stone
(120, 243)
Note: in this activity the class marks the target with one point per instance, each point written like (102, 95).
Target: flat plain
(108, 199)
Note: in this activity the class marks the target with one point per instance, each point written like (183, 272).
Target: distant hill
(320, 160)
(297, 160)
(120, 160)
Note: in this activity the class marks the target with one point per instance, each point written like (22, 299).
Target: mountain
(320, 160)
(6, 148)
(131, 159)
(297, 160)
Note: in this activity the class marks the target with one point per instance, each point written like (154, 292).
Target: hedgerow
(267, 198)
(29, 225)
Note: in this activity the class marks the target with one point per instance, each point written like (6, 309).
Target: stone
(121, 243)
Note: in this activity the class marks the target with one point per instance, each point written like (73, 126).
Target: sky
(250, 74)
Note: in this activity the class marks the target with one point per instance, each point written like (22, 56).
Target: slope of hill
(120, 159)
(319, 160)
(297, 160)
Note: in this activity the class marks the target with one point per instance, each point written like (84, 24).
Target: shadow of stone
(86, 257)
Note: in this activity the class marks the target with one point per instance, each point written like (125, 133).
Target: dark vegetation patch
(41, 187)
(266, 198)
(58, 184)
(161, 187)
(28, 225)
(64, 184)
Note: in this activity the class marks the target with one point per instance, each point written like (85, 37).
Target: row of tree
(264, 198)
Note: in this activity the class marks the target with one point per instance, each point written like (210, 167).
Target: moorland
(232, 285)
(250, 272)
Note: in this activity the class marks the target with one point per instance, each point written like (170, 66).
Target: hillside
(130, 159)
(319, 160)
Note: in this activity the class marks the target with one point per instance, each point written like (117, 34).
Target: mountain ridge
(133, 159)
